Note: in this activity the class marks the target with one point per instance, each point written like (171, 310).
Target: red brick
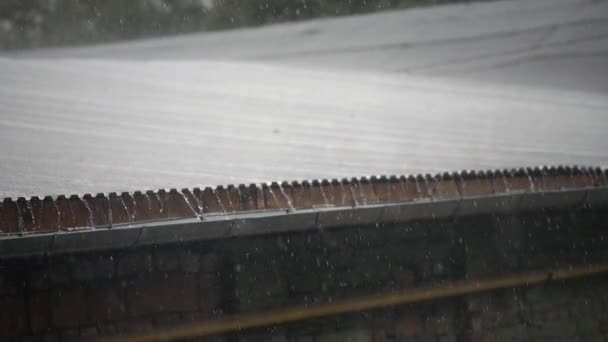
(235, 197)
(169, 292)
(327, 191)
(477, 186)
(318, 196)
(99, 208)
(582, 180)
(106, 303)
(155, 207)
(600, 178)
(36, 211)
(301, 195)
(223, 198)
(66, 219)
(141, 207)
(12, 316)
(407, 190)
(536, 175)
(380, 189)
(273, 196)
(557, 182)
(211, 203)
(40, 311)
(129, 204)
(248, 197)
(118, 209)
(68, 307)
(518, 181)
(340, 196)
(385, 189)
(49, 219)
(499, 182)
(423, 187)
(176, 206)
(445, 189)
(9, 221)
(81, 214)
(366, 191)
(259, 197)
(27, 218)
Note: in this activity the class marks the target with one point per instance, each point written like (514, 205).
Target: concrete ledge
(597, 197)
(500, 204)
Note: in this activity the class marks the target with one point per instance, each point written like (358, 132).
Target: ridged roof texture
(87, 212)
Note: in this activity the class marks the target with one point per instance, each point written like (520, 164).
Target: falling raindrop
(30, 209)
(187, 200)
(230, 204)
(352, 192)
(325, 201)
(532, 187)
(289, 204)
(362, 193)
(124, 205)
(88, 207)
(19, 216)
(149, 202)
(133, 215)
(274, 197)
(219, 201)
(343, 193)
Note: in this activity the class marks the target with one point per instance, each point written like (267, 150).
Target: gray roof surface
(485, 85)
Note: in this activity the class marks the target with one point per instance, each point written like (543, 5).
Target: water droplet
(289, 204)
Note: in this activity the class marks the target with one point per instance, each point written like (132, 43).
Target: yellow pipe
(287, 315)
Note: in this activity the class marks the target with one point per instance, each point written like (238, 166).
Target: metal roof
(388, 93)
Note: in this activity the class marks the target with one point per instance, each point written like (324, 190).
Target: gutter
(249, 223)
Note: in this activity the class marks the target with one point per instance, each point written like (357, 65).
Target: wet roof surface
(488, 85)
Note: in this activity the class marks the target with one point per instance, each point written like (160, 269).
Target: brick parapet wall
(88, 212)
(71, 297)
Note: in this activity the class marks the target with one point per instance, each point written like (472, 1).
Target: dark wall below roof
(146, 289)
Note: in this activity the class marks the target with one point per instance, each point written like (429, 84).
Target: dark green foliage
(235, 13)
(31, 23)
(43, 22)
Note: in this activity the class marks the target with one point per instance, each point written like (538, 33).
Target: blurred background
(36, 23)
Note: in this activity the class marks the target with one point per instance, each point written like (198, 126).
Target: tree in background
(32, 23)
(27, 23)
(235, 13)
